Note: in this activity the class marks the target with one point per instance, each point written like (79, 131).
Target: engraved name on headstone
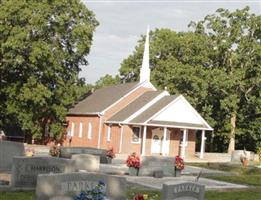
(183, 191)
(26, 169)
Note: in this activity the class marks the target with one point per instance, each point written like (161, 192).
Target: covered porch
(171, 141)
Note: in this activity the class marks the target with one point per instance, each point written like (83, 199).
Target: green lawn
(248, 176)
(155, 195)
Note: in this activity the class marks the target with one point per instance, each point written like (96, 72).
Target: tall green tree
(43, 44)
(236, 39)
(217, 67)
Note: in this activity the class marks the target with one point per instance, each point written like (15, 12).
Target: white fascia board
(168, 126)
(145, 107)
(195, 112)
(145, 84)
(189, 106)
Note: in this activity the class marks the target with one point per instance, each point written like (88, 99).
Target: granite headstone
(26, 169)
(87, 162)
(8, 150)
(152, 164)
(67, 152)
(67, 186)
(182, 191)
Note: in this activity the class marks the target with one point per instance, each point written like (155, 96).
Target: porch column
(121, 139)
(164, 142)
(183, 145)
(202, 147)
(144, 141)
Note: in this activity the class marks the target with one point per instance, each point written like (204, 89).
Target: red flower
(179, 163)
(139, 197)
(133, 161)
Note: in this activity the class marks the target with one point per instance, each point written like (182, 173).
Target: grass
(155, 195)
(17, 196)
(250, 176)
(247, 176)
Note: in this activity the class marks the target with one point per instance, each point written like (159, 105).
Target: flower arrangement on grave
(55, 151)
(96, 193)
(243, 158)
(133, 160)
(179, 163)
(140, 197)
(110, 153)
(29, 152)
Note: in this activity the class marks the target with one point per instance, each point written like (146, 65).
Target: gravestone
(67, 152)
(67, 186)
(87, 162)
(26, 169)
(152, 164)
(182, 191)
(8, 150)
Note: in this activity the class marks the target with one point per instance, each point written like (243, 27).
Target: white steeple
(145, 68)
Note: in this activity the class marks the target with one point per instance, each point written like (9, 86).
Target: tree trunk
(231, 146)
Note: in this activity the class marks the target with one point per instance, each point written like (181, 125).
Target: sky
(123, 22)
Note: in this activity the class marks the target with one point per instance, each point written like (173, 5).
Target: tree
(217, 67)
(43, 44)
(236, 53)
(107, 80)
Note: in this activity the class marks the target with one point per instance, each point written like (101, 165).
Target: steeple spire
(145, 68)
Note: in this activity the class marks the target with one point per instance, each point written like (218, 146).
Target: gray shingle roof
(102, 99)
(134, 106)
(147, 114)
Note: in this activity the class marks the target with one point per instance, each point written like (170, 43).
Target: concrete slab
(157, 183)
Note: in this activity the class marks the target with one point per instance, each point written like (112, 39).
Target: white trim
(109, 133)
(196, 113)
(134, 88)
(72, 129)
(143, 152)
(164, 153)
(186, 133)
(138, 136)
(169, 126)
(189, 106)
(202, 146)
(80, 130)
(145, 107)
(183, 144)
(89, 136)
(121, 139)
(99, 133)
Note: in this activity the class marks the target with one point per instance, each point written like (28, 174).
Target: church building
(136, 117)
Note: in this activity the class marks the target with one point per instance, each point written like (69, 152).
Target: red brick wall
(127, 145)
(83, 141)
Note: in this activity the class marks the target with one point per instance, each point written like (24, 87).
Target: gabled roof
(102, 99)
(155, 108)
(134, 106)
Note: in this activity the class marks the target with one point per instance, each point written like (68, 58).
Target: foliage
(96, 193)
(179, 163)
(216, 67)
(43, 44)
(55, 151)
(133, 160)
(107, 80)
